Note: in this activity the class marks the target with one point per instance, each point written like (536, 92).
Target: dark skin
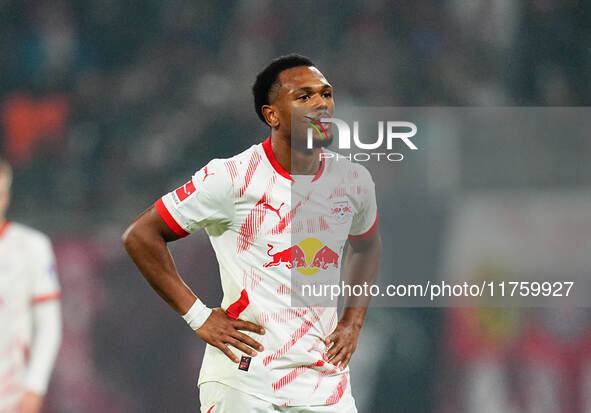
(145, 241)
(361, 265)
(303, 89)
(146, 238)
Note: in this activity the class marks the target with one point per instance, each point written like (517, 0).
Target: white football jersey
(27, 277)
(267, 227)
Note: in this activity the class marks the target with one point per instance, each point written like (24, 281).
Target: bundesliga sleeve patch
(244, 363)
(184, 191)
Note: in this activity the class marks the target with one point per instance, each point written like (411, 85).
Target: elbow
(127, 238)
(142, 233)
(138, 235)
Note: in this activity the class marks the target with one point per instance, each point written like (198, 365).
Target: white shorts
(219, 398)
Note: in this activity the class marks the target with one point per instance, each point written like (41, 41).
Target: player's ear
(270, 116)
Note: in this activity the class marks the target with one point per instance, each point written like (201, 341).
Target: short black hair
(267, 78)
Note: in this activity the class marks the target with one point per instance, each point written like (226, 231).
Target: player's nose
(319, 102)
(321, 111)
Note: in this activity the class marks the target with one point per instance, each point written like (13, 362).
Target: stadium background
(107, 104)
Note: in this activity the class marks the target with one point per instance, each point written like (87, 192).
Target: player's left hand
(31, 402)
(342, 343)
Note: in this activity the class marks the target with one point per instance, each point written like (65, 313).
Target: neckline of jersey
(277, 166)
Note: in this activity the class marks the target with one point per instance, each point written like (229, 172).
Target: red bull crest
(341, 210)
(308, 256)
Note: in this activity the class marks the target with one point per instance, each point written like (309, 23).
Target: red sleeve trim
(46, 297)
(170, 221)
(238, 306)
(367, 233)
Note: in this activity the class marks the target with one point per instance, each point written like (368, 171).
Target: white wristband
(197, 315)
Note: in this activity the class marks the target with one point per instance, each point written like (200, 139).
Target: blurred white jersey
(27, 277)
(266, 228)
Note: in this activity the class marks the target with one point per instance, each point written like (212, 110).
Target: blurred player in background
(30, 317)
(274, 357)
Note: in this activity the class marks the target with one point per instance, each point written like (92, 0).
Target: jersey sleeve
(365, 219)
(205, 201)
(45, 282)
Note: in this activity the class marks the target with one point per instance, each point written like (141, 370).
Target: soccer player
(262, 354)
(30, 317)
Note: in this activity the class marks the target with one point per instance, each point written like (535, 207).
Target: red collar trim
(321, 169)
(277, 166)
(4, 227)
(271, 156)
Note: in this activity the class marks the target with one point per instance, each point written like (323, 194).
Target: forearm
(354, 316)
(150, 253)
(47, 334)
(361, 268)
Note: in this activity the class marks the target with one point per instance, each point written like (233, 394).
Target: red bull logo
(308, 256)
(291, 257)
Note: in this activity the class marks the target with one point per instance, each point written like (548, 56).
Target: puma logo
(207, 174)
(276, 210)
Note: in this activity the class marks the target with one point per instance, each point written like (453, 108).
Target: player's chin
(322, 142)
(317, 142)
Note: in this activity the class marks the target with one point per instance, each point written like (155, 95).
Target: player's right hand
(219, 330)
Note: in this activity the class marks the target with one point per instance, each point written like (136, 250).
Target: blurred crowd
(116, 100)
(106, 104)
